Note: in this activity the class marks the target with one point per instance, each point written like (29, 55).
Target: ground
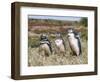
(36, 59)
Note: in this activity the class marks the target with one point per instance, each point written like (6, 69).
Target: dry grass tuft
(36, 59)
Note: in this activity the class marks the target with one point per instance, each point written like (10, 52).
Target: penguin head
(73, 33)
(43, 37)
(58, 35)
(70, 32)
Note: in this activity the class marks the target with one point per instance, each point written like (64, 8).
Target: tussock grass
(36, 59)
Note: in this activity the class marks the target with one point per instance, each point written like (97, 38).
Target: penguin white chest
(45, 49)
(58, 42)
(59, 45)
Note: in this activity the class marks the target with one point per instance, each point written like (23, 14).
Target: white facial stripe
(70, 35)
(70, 31)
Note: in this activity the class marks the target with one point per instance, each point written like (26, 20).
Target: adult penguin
(60, 45)
(74, 41)
(45, 45)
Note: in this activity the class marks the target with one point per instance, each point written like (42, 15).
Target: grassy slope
(55, 59)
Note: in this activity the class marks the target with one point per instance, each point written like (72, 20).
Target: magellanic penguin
(45, 45)
(60, 45)
(74, 41)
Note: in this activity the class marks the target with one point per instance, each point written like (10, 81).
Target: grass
(36, 59)
(52, 26)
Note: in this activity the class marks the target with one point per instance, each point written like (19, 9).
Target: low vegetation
(36, 59)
